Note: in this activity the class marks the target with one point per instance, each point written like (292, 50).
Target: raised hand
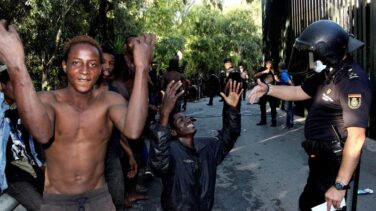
(234, 93)
(11, 47)
(142, 50)
(170, 96)
(257, 92)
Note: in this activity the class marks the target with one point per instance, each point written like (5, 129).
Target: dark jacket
(188, 175)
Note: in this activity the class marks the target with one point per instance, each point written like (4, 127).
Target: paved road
(267, 168)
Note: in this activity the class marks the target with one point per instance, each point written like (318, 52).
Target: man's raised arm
(32, 111)
(230, 131)
(143, 48)
(160, 145)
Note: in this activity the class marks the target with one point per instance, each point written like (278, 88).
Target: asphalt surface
(267, 168)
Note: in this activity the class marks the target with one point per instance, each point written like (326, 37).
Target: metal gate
(356, 16)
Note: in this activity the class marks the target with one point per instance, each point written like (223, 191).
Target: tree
(203, 32)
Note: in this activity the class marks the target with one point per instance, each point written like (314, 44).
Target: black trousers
(323, 171)
(273, 107)
(114, 172)
(27, 193)
(212, 95)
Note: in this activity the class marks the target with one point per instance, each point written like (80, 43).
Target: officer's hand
(257, 92)
(234, 94)
(334, 197)
(142, 50)
(11, 47)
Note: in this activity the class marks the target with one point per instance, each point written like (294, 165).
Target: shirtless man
(76, 122)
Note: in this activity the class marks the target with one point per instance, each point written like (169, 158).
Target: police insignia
(354, 101)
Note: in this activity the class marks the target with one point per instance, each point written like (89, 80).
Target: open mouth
(83, 80)
(106, 73)
(190, 125)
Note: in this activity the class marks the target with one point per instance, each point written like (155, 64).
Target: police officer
(341, 99)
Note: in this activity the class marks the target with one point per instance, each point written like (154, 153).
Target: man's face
(108, 66)
(268, 64)
(183, 125)
(82, 67)
(227, 65)
(154, 66)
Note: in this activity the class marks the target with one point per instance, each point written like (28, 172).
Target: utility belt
(324, 148)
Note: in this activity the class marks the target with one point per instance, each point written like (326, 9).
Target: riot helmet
(322, 44)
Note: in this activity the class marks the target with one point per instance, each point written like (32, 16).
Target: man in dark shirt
(234, 75)
(188, 165)
(335, 128)
(213, 85)
(267, 76)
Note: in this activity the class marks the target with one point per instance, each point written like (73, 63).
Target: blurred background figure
(267, 76)
(286, 79)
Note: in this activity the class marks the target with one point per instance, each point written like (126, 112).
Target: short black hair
(108, 49)
(4, 77)
(173, 64)
(78, 40)
(227, 60)
(282, 65)
(120, 66)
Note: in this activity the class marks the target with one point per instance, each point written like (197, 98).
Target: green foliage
(44, 27)
(213, 36)
(205, 33)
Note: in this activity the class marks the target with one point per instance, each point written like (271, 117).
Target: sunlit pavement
(267, 168)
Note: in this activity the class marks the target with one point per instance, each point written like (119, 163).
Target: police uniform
(341, 98)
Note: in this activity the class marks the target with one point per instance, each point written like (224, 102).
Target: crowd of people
(81, 147)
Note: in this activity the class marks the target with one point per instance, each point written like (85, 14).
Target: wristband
(267, 91)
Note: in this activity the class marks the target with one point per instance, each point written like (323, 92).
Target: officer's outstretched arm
(350, 158)
(289, 93)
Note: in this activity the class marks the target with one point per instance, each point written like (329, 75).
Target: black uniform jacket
(188, 175)
(340, 99)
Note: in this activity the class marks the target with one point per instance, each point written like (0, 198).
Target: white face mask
(319, 66)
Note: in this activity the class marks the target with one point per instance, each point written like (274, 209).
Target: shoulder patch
(354, 101)
(352, 74)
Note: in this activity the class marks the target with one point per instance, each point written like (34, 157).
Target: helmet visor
(354, 44)
(301, 61)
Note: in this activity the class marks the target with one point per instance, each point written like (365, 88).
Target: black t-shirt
(340, 99)
(267, 78)
(234, 75)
